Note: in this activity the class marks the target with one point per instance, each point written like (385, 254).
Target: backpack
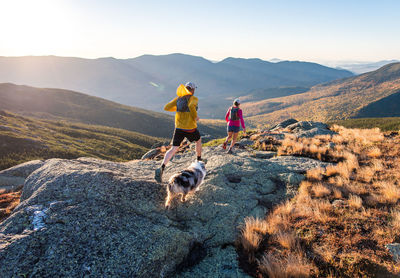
(182, 104)
(234, 114)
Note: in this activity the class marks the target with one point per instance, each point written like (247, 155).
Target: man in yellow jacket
(185, 106)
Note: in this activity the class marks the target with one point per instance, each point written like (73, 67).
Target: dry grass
(347, 239)
(320, 190)
(315, 174)
(252, 233)
(321, 216)
(395, 219)
(270, 266)
(355, 202)
(343, 169)
(374, 152)
(304, 188)
(337, 193)
(325, 251)
(8, 202)
(287, 240)
(294, 265)
(390, 192)
(366, 173)
(377, 165)
(250, 240)
(331, 170)
(277, 223)
(256, 225)
(298, 266)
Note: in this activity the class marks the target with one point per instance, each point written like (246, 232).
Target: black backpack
(234, 114)
(182, 104)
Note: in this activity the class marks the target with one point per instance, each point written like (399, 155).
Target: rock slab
(93, 218)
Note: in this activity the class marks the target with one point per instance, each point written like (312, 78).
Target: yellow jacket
(184, 120)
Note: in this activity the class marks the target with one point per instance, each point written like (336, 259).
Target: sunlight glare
(40, 26)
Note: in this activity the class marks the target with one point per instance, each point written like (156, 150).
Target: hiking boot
(158, 174)
(229, 151)
(224, 145)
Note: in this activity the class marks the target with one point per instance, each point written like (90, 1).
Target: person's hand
(197, 119)
(244, 132)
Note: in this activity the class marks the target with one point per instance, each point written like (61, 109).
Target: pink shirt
(235, 123)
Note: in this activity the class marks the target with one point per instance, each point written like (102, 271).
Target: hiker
(185, 106)
(234, 117)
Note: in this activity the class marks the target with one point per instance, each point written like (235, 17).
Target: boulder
(309, 129)
(23, 170)
(94, 218)
(394, 249)
(284, 124)
(160, 144)
(150, 154)
(15, 176)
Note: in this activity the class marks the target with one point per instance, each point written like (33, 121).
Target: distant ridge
(149, 81)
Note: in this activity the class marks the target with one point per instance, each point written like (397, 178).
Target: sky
(307, 30)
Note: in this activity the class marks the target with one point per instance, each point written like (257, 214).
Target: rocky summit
(94, 218)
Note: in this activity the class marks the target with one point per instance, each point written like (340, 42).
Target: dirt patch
(8, 201)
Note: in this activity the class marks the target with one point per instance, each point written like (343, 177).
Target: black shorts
(180, 134)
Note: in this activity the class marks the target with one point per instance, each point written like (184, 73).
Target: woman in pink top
(234, 117)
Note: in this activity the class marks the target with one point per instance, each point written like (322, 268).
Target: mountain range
(150, 81)
(373, 94)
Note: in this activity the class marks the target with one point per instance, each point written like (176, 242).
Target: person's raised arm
(171, 106)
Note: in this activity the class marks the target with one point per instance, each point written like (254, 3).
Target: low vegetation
(384, 124)
(342, 216)
(23, 139)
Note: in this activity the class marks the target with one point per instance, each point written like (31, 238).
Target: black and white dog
(186, 181)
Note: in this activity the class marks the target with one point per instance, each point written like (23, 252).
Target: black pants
(180, 134)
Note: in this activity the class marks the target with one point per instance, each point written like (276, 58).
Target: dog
(185, 182)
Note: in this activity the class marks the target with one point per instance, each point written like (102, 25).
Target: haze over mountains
(360, 67)
(149, 81)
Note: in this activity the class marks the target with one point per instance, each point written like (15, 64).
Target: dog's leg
(168, 201)
(183, 198)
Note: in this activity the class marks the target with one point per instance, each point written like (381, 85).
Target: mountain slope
(74, 106)
(24, 138)
(336, 100)
(150, 81)
(385, 107)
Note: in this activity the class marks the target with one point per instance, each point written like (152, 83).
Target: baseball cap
(190, 85)
(236, 101)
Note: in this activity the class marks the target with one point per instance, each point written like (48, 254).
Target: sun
(35, 27)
